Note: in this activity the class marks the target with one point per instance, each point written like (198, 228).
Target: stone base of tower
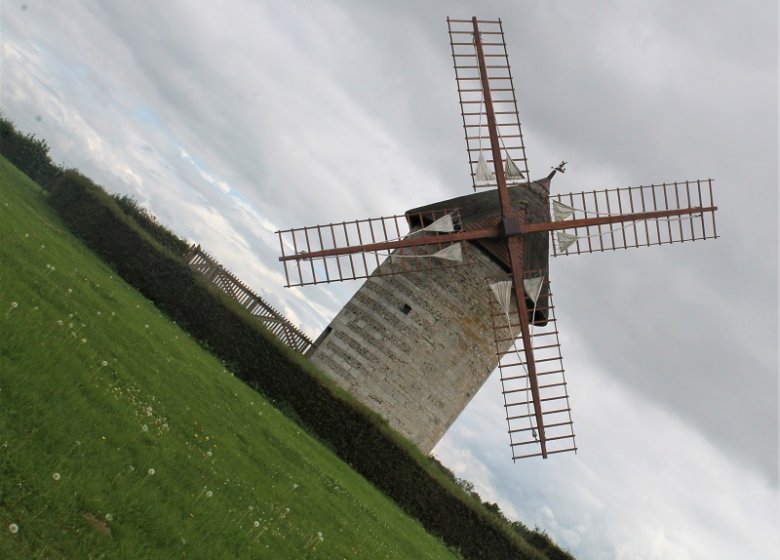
(415, 347)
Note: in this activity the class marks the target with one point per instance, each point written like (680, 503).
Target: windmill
(502, 234)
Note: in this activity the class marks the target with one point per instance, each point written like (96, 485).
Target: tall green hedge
(28, 153)
(357, 435)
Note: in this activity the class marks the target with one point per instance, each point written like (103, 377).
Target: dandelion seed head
(14, 305)
(145, 428)
(150, 472)
(208, 453)
(256, 523)
(14, 528)
(209, 494)
(56, 476)
(104, 363)
(83, 340)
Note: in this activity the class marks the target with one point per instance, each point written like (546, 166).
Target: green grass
(121, 438)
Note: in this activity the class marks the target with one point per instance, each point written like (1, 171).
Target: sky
(229, 120)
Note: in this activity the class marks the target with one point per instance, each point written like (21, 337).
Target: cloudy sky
(230, 119)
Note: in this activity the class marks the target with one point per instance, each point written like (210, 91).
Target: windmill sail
(589, 236)
(472, 102)
(342, 251)
(512, 172)
(482, 174)
(513, 368)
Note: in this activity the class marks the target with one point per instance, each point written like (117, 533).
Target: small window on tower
(406, 309)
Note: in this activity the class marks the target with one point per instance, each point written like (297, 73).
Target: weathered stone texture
(415, 347)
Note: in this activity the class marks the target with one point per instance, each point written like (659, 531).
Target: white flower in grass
(209, 494)
(56, 476)
(145, 428)
(103, 363)
(109, 517)
(83, 340)
(319, 536)
(150, 472)
(256, 523)
(208, 453)
(14, 305)
(14, 528)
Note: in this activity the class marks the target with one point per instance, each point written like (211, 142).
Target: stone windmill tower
(459, 287)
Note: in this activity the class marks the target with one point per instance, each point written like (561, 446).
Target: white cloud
(644, 485)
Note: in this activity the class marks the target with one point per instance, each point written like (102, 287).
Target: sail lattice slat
(302, 269)
(472, 100)
(516, 387)
(695, 195)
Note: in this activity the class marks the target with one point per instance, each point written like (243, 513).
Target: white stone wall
(415, 347)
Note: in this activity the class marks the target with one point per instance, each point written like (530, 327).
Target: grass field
(121, 438)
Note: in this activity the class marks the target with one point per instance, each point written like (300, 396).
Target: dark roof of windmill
(482, 210)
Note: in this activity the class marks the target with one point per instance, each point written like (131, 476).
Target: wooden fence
(274, 321)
